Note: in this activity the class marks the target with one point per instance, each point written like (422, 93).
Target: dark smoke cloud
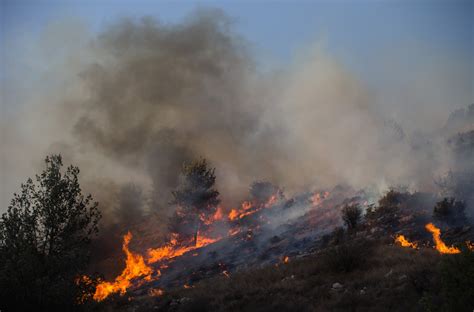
(132, 104)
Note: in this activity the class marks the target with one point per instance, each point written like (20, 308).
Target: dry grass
(387, 278)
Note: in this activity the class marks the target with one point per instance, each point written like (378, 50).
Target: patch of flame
(317, 198)
(470, 245)
(247, 208)
(156, 292)
(405, 242)
(173, 249)
(134, 267)
(440, 245)
(286, 259)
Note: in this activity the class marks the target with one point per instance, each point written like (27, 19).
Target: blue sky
(352, 30)
(388, 44)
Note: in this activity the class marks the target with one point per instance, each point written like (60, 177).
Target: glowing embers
(405, 242)
(439, 244)
(134, 267)
(318, 197)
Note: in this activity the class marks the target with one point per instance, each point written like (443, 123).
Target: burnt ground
(329, 268)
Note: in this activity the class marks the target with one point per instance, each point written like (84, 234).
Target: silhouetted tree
(44, 240)
(351, 215)
(196, 199)
(450, 210)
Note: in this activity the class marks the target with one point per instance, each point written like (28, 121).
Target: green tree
(195, 198)
(44, 240)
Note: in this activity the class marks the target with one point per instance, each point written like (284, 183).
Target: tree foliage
(196, 199)
(44, 239)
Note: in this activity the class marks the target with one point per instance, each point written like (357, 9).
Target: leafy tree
(195, 198)
(44, 240)
(351, 215)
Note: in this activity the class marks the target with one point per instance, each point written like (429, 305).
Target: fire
(405, 243)
(156, 292)
(218, 215)
(233, 232)
(134, 267)
(440, 245)
(318, 198)
(286, 259)
(233, 214)
(470, 245)
(271, 201)
(173, 249)
(247, 208)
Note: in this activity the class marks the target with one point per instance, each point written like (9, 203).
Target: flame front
(440, 245)
(405, 242)
(173, 249)
(134, 267)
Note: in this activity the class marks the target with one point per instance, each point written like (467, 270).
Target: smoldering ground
(129, 105)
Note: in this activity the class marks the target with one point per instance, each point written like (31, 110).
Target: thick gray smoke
(142, 97)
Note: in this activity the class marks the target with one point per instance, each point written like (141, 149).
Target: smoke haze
(128, 106)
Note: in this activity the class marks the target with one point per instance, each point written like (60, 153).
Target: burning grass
(388, 279)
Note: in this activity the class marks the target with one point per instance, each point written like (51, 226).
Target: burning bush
(195, 198)
(351, 215)
(44, 241)
(450, 211)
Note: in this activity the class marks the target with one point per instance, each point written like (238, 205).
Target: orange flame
(318, 198)
(286, 259)
(247, 208)
(134, 267)
(470, 245)
(156, 292)
(440, 245)
(218, 215)
(405, 242)
(173, 250)
(135, 264)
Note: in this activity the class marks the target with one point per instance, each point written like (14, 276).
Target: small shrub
(457, 281)
(351, 215)
(450, 210)
(391, 199)
(348, 256)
